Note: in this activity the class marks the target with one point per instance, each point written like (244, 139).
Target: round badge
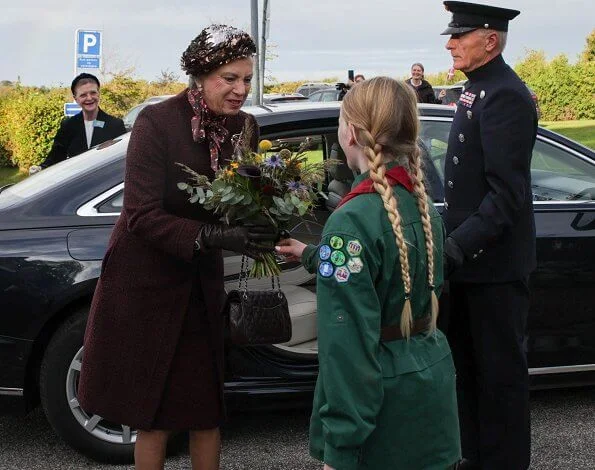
(342, 274)
(355, 265)
(336, 242)
(326, 269)
(354, 248)
(324, 252)
(338, 258)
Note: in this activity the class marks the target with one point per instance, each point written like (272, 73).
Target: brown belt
(393, 332)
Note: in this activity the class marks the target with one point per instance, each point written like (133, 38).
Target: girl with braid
(385, 396)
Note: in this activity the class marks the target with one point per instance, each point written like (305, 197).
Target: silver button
(461, 137)
(469, 115)
(446, 205)
(451, 184)
(482, 94)
(474, 255)
(455, 160)
(480, 252)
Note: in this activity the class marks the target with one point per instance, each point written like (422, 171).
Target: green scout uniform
(379, 404)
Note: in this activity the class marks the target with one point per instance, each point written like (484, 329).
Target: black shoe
(466, 464)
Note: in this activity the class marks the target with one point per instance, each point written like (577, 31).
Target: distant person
(358, 78)
(86, 129)
(423, 89)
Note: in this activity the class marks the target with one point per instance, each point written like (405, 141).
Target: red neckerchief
(205, 124)
(396, 175)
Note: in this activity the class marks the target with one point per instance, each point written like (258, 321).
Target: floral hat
(216, 45)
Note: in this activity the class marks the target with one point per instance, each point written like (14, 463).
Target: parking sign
(88, 49)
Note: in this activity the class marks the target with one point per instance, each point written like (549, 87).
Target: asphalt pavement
(563, 424)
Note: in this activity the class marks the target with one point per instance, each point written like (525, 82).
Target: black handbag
(257, 317)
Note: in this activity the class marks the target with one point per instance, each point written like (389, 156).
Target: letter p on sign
(89, 40)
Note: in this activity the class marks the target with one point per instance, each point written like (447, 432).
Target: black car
(55, 225)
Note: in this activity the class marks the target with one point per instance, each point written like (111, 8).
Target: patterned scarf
(207, 125)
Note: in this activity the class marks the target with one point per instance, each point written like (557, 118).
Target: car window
(113, 205)
(559, 175)
(434, 137)
(315, 96)
(329, 96)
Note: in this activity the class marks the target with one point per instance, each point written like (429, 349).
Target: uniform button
(451, 184)
(480, 252)
(462, 137)
(469, 115)
(455, 160)
(446, 205)
(482, 94)
(474, 255)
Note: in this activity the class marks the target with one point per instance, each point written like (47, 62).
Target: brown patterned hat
(216, 45)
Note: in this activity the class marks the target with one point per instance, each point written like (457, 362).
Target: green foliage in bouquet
(260, 187)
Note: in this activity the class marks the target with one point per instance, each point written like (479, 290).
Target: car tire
(58, 382)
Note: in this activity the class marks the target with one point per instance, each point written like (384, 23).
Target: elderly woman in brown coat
(154, 340)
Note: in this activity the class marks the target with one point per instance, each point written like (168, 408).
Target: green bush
(29, 118)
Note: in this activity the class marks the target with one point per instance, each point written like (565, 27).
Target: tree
(167, 77)
(588, 54)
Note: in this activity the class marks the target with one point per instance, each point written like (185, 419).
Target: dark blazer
(488, 197)
(71, 139)
(424, 92)
(150, 269)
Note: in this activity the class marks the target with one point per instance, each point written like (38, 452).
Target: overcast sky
(312, 39)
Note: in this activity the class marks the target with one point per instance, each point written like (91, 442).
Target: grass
(581, 131)
(9, 175)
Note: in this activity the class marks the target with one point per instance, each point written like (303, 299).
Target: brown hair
(423, 71)
(384, 113)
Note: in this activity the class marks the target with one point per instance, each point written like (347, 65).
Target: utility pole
(256, 94)
(266, 21)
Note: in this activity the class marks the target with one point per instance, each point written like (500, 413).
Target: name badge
(97, 123)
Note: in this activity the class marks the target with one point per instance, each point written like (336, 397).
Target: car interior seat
(341, 178)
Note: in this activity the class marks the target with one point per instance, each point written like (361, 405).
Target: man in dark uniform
(490, 248)
(90, 127)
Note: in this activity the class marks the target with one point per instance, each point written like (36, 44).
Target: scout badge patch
(340, 258)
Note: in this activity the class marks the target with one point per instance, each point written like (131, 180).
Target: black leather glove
(249, 240)
(453, 256)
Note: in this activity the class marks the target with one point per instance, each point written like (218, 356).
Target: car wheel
(90, 434)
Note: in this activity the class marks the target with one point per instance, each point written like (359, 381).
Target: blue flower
(296, 186)
(274, 161)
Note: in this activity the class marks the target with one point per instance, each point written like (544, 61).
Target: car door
(562, 319)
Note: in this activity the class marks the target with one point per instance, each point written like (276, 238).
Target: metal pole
(256, 100)
(263, 44)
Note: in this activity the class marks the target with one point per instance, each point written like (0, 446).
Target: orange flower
(235, 165)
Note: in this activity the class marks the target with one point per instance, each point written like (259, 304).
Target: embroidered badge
(342, 274)
(338, 258)
(467, 99)
(354, 248)
(355, 265)
(336, 242)
(324, 252)
(326, 269)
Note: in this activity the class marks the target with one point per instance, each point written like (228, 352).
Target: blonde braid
(377, 173)
(422, 203)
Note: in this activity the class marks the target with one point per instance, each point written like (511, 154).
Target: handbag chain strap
(243, 279)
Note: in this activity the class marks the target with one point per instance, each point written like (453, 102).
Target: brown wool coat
(149, 270)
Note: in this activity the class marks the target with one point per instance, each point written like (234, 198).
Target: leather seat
(341, 178)
(302, 310)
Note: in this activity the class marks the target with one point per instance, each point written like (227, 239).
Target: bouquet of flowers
(260, 187)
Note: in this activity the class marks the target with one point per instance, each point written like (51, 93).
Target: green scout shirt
(379, 404)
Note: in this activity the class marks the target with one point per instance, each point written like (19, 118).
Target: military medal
(467, 99)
